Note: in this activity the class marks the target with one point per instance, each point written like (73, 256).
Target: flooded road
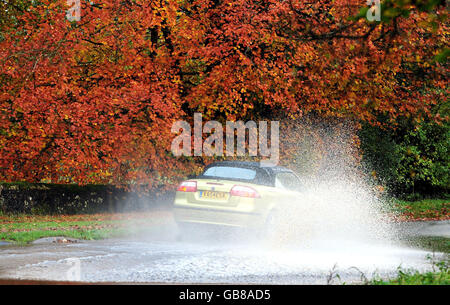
(157, 256)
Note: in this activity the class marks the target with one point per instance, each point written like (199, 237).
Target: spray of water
(338, 203)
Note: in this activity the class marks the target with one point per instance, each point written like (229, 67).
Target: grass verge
(440, 275)
(23, 229)
(426, 209)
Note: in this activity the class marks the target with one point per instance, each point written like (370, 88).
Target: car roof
(250, 164)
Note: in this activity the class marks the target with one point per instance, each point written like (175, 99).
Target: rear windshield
(228, 172)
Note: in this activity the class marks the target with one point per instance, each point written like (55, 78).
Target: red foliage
(93, 101)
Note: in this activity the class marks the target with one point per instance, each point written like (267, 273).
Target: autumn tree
(93, 101)
(87, 102)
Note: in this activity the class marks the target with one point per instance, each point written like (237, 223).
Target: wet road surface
(159, 257)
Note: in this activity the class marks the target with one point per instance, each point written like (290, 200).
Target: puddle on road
(217, 262)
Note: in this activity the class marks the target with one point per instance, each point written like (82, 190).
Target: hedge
(42, 198)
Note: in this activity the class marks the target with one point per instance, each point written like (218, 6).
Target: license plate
(213, 195)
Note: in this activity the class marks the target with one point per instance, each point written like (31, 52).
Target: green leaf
(442, 56)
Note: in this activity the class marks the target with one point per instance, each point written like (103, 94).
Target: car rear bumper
(219, 217)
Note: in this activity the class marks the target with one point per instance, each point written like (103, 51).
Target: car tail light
(187, 186)
(244, 191)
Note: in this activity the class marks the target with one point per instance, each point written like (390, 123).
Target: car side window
(288, 181)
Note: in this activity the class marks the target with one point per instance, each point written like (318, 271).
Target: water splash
(339, 203)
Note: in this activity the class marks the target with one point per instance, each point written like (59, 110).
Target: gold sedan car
(235, 194)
